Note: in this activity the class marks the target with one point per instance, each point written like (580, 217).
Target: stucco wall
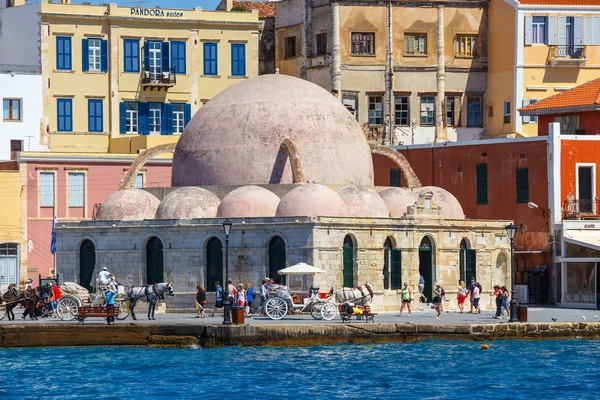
(573, 152)
(19, 36)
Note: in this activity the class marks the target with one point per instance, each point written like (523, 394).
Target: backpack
(480, 288)
(443, 292)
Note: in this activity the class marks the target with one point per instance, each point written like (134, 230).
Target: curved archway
(426, 267)
(132, 173)
(501, 272)
(155, 269)
(214, 263)
(87, 264)
(412, 181)
(348, 262)
(467, 260)
(392, 265)
(277, 258)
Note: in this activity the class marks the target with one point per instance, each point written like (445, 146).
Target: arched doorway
(467, 262)
(154, 261)
(392, 266)
(501, 271)
(214, 263)
(276, 258)
(348, 262)
(87, 263)
(426, 267)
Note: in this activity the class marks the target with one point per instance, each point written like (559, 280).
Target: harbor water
(429, 369)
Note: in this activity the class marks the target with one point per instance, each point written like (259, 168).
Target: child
(200, 301)
(476, 296)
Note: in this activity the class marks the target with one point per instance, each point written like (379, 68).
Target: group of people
(51, 295)
(241, 296)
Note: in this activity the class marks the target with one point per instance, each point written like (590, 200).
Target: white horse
(362, 295)
(151, 294)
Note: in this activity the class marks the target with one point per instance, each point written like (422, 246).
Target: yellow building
(10, 225)
(537, 48)
(113, 72)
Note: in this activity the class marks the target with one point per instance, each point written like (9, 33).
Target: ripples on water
(430, 369)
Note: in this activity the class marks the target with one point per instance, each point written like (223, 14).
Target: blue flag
(53, 241)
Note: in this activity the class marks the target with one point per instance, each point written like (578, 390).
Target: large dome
(363, 202)
(312, 200)
(187, 203)
(128, 204)
(235, 138)
(248, 201)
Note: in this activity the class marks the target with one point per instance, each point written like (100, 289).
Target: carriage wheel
(67, 309)
(328, 311)
(315, 311)
(2, 311)
(276, 308)
(123, 310)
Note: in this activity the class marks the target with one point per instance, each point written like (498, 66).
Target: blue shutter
(187, 114)
(60, 51)
(60, 111)
(165, 56)
(69, 115)
(242, 59)
(85, 56)
(146, 56)
(182, 58)
(127, 49)
(143, 114)
(169, 114)
(234, 70)
(104, 55)
(91, 112)
(123, 117)
(99, 116)
(163, 119)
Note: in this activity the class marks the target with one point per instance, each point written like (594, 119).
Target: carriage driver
(106, 277)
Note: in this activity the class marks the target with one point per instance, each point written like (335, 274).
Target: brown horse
(12, 297)
(32, 297)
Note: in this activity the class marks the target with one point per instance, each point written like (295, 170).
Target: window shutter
(76, 189)
(163, 119)
(187, 114)
(396, 268)
(165, 56)
(123, 117)
(169, 113)
(577, 31)
(143, 112)
(552, 30)
(183, 57)
(91, 113)
(85, 57)
(588, 31)
(528, 30)
(457, 110)
(242, 59)
(104, 55)
(562, 31)
(482, 184)
(146, 56)
(526, 118)
(69, 115)
(596, 31)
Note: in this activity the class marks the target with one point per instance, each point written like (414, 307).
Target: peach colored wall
(573, 152)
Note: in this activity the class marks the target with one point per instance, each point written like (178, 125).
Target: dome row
(253, 201)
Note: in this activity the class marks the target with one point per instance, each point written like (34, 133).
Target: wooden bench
(366, 315)
(95, 311)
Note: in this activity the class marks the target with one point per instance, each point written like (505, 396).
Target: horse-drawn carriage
(75, 296)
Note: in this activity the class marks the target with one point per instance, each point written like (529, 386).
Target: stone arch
(155, 265)
(392, 264)
(467, 261)
(83, 239)
(501, 269)
(349, 260)
(87, 264)
(427, 264)
(277, 258)
(135, 168)
(295, 160)
(412, 181)
(214, 263)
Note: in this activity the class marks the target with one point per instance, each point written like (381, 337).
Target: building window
(569, 124)
(63, 53)
(238, 59)
(402, 111)
(350, 101)
(395, 177)
(427, 110)
(363, 43)
(507, 112)
(321, 44)
(415, 44)
(46, 189)
(450, 111)
(482, 184)
(95, 116)
(155, 64)
(11, 109)
(131, 54)
(289, 50)
(531, 119)
(139, 181)
(538, 28)
(178, 57)
(178, 119)
(16, 146)
(375, 110)
(131, 117)
(65, 115)
(155, 118)
(76, 181)
(210, 59)
(94, 54)
(465, 45)
(474, 112)
(522, 185)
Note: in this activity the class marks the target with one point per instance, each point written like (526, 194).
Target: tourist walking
(422, 297)
(461, 296)
(470, 292)
(249, 299)
(241, 296)
(498, 296)
(505, 302)
(264, 295)
(476, 297)
(57, 294)
(406, 299)
(438, 293)
(231, 292)
(200, 301)
(219, 301)
(109, 295)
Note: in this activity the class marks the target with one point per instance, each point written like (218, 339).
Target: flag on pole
(53, 241)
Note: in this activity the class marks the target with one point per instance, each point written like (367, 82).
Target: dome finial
(276, 71)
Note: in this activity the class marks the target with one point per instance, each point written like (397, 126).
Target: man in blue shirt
(219, 292)
(109, 296)
(471, 286)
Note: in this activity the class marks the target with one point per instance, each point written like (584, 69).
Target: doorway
(467, 262)
(9, 263)
(348, 262)
(214, 263)
(585, 188)
(87, 263)
(276, 258)
(154, 261)
(426, 267)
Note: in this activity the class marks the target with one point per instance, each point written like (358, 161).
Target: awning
(300, 269)
(585, 238)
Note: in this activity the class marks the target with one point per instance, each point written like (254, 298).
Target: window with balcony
(363, 43)
(290, 47)
(415, 44)
(465, 45)
(402, 110)
(375, 110)
(321, 44)
(131, 55)
(538, 30)
(11, 109)
(63, 53)
(427, 110)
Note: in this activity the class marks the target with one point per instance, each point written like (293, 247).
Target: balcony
(158, 79)
(581, 209)
(568, 55)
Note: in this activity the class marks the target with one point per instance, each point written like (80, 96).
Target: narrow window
(522, 185)
(178, 123)
(238, 59)
(321, 44)
(63, 53)
(46, 189)
(210, 59)
(474, 112)
(76, 181)
(507, 112)
(427, 110)
(395, 177)
(415, 44)
(131, 54)
(533, 119)
(402, 112)
(139, 181)
(289, 47)
(539, 30)
(465, 45)
(350, 101)
(450, 111)
(363, 43)
(131, 117)
(482, 184)
(94, 54)
(178, 57)
(65, 115)
(155, 118)
(155, 57)
(11, 109)
(375, 110)
(16, 146)
(95, 123)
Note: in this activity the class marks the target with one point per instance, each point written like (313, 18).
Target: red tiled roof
(560, 2)
(585, 95)
(266, 9)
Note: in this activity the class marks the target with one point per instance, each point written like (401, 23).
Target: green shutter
(348, 271)
(482, 184)
(471, 266)
(395, 177)
(522, 185)
(396, 269)
(386, 267)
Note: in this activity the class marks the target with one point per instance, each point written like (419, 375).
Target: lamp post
(226, 303)
(511, 231)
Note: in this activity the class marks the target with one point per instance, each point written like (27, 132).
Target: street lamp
(511, 231)
(226, 303)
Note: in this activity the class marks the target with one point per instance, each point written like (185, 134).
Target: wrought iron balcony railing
(581, 209)
(567, 54)
(159, 78)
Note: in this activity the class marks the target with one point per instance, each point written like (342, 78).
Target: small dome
(128, 204)
(449, 205)
(187, 203)
(397, 200)
(248, 201)
(363, 202)
(311, 200)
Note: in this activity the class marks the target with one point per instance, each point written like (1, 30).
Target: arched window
(87, 263)
(154, 261)
(426, 267)
(392, 266)
(276, 258)
(214, 263)
(467, 262)
(348, 262)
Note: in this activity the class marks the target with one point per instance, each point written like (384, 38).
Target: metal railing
(20, 69)
(567, 51)
(165, 78)
(581, 209)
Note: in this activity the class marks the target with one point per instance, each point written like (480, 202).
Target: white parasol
(300, 269)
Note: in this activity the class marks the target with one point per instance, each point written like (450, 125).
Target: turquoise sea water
(430, 369)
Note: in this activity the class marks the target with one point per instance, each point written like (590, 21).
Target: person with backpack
(219, 293)
(438, 294)
(470, 292)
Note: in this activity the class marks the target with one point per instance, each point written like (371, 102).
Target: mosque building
(291, 168)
